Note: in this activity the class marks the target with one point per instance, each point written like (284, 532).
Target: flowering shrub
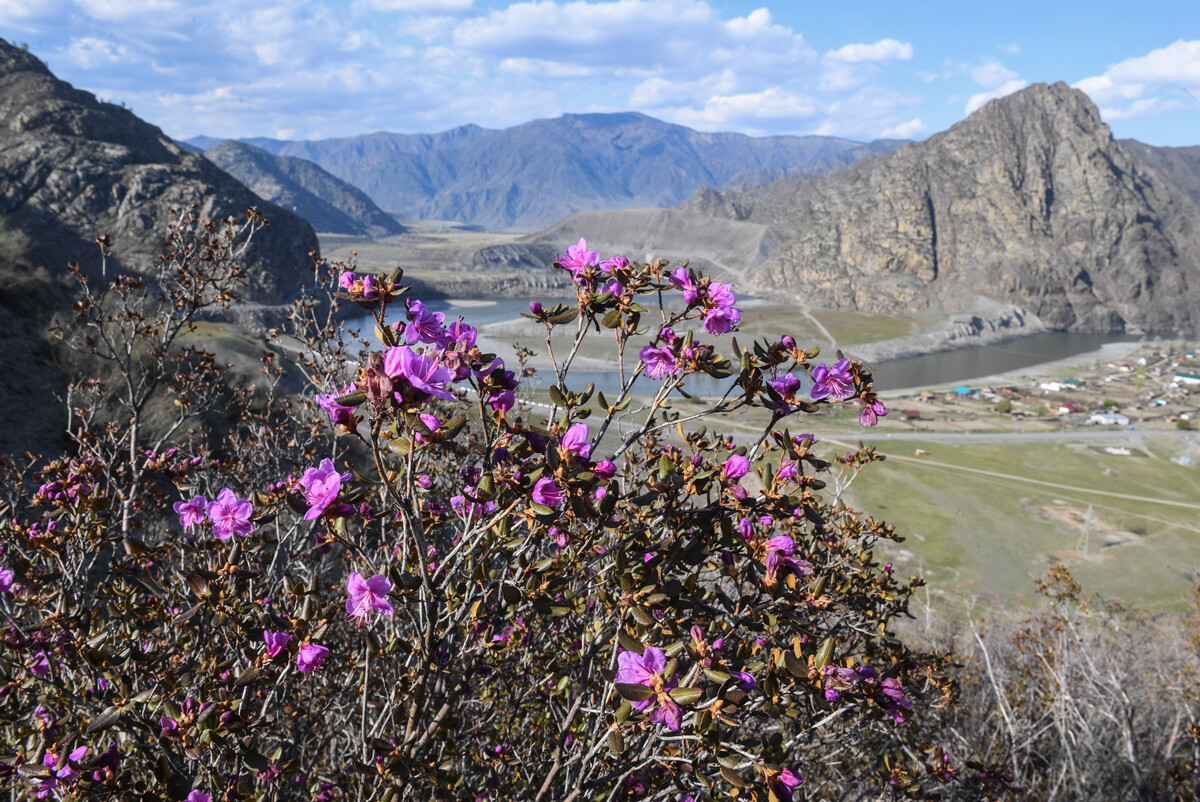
(461, 596)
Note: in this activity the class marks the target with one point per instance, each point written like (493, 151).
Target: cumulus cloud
(909, 130)
(884, 51)
(748, 111)
(89, 53)
(991, 74)
(977, 101)
(1135, 87)
(422, 6)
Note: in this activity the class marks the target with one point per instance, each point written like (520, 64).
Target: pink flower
(736, 467)
(646, 669)
(578, 258)
(40, 665)
(6, 580)
(310, 657)
(230, 515)
(659, 362)
(198, 796)
(576, 441)
(191, 513)
(781, 551)
(835, 381)
(423, 374)
(368, 595)
(346, 282)
(548, 494)
(276, 642)
(423, 326)
(321, 486)
(721, 320)
(683, 281)
(605, 469)
(871, 413)
(783, 784)
(339, 415)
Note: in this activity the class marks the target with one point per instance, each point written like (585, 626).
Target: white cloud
(90, 53)
(991, 74)
(1012, 48)
(978, 100)
(125, 9)
(884, 51)
(909, 130)
(749, 110)
(1133, 87)
(420, 6)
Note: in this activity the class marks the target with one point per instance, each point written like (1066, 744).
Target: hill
(302, 187)
(1029, 201)
(534, 174)
(73, 168)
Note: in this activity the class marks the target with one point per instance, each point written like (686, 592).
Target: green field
(988, 537)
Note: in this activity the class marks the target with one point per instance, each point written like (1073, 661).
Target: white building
(1109, 419)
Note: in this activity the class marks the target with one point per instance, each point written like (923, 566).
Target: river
(928, 370)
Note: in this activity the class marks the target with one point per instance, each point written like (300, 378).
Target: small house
(910, 414)
(1109, 419)
(1185, 377)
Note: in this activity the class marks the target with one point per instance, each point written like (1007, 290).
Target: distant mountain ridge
(537, 173)
(300, 186)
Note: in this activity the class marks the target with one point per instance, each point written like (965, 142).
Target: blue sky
(302, 69)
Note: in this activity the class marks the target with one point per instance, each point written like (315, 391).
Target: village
(1156, 388)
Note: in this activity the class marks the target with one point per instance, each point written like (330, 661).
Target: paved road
(1104, 435)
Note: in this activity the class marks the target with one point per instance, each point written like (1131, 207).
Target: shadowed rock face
(72, 168)
(1028, 201)
(328, 203)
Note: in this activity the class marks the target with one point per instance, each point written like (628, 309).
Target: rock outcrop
(331, 205)
(1028, 202)
(72, 168)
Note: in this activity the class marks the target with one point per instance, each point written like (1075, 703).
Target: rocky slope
(1029, 202)
(72, 168)
(300, 186)
(534, 174)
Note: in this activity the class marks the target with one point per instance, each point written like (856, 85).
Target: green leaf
(716, 676)
(687, 696)
(629, 643)
(825, 653)
(616, 744)
(565, 317)
(351, 399)
(634, 692)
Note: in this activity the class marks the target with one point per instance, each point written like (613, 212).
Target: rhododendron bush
(401, 579)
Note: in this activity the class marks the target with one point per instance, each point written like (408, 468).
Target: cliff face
(1028, 201)
(72, 168)
(300, 186)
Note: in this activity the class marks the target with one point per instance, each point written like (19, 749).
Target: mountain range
(534, 174)
(300, 186)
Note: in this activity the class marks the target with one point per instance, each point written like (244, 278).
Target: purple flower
(198, 796)
(786, 385)
(745, 529)
(368, 595)
(836, 680)
(423, 374)
(423, 326)
(782, 785)
(721, 295)
(310, 657)
(338, 415)
(276, 642)
(321, 486)
(548, 494)
(891, 698)
(745, 680)
(535, 308)
(736, 467)
(605, 469)
(371, 287)
(576, 441)
(835, 381)
(230, 515)
(787, 470)
(578, 258)
(40, 665)
(167, 725)
(659, 362)
(721, 320)
(6, 580)
(646, 669)
(346, 281)
(191, 513)
(781, 551)
(502, 400)
(871, 413)
(683, 281)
